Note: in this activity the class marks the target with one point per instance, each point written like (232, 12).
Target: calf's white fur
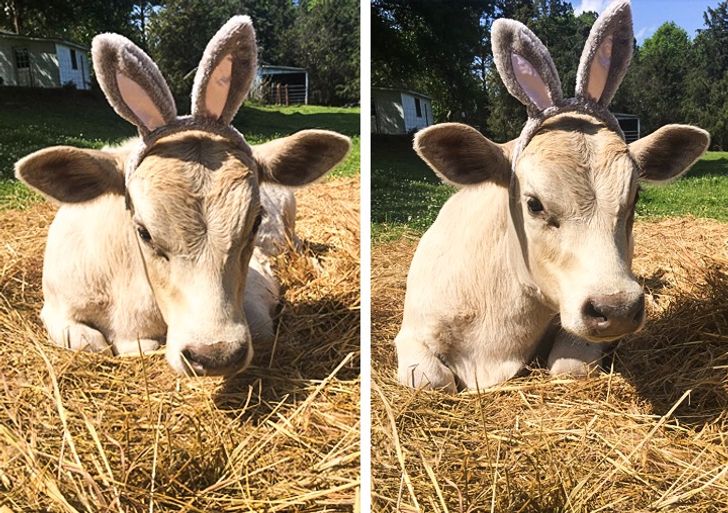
(533, 253)
(155, 241)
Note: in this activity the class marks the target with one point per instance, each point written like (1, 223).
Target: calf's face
(194, 209)
(572, 201)
(572, 195)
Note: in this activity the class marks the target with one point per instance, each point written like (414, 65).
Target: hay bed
(82, 432)
(651, 435)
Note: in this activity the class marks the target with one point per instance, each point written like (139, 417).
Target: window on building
(418, 107)
(22, 58)
(74, 62)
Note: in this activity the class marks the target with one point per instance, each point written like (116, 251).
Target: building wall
(387, 113)
(7, 68)
(43, 71)
(80, 76)
(412, 121)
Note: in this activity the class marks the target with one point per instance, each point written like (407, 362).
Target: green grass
(406, 194)
(35, 119)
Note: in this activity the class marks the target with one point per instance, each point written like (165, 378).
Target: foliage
(320, 35)
(443, 50)
(34, 119)
(430, 46)
(76, 20)
(325, 40)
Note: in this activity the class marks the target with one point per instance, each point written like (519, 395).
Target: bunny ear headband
(529, 74)
(137, 91)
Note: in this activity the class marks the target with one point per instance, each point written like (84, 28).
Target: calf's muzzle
(217, 359)
(613, 315)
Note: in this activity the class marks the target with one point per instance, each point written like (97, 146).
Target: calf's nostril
(187, 355)
(214, 359)
(593, 312)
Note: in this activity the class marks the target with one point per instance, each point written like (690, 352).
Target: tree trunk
(17, 18)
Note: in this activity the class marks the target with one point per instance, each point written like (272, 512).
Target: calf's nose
(217, 359)
(614, 315)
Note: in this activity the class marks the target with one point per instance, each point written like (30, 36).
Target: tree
(322, 36)
(706, 85)
(77, 20)
(661, 70)
(325, 40)
(432, 47)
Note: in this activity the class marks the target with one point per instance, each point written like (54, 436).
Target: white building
(399, 111)
(38, 62)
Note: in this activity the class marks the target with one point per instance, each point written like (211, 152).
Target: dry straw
(651, 435)
(84, 432)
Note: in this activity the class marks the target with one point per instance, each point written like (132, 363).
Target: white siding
(79, 76)
(413, 122)
(7, 66)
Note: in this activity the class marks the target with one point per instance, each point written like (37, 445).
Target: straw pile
(651, 435)
(83, 432)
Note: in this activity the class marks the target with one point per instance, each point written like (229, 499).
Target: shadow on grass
(709, 166)
(404, 189)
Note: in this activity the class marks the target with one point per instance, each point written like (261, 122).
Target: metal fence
(284, 94)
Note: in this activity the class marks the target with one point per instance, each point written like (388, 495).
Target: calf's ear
(669, 152)
(461, 155)
(71, 175)
(300, 158)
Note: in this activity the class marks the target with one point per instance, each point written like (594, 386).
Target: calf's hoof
(573, 367)
(432, 375)
(80, 337)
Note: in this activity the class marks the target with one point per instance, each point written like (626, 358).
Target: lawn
(406, 194)
(34, 119)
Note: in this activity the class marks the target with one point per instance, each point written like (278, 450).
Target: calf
(155, 241)
(533, 253)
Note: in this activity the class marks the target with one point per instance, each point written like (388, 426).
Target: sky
(648, 15)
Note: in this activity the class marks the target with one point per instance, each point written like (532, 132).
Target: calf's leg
(70, 334)
(573, 356)
(262, 294)
(132, 347)
(419, 367)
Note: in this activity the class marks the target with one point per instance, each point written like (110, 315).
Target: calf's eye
(535, 206)
(144, 234)
(256, 223)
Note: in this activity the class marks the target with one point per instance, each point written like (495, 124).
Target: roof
(4, 34)
(402, 90)
(283, 69)
(622, 115)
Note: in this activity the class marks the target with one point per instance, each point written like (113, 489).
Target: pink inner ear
(140, 103)
(531, 82)
(218, 87)
(599, 70)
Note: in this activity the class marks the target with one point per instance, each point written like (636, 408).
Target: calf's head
(191, 189)
(572, 179)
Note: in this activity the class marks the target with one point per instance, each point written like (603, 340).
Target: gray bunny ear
(525, 65)
(607, 54)
(132, 82)
(226, 71)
